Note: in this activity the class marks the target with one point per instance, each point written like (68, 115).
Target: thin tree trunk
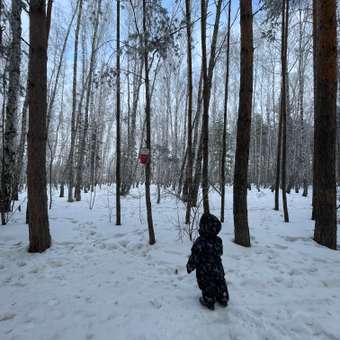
(285, 16)
(205, 113)
(225, 117)
(22, 142)
(3, 113)
(118, 179)
(302, 140)
(152, 239)
(79, 175)
(207, 80)
(70, 176)
(197, 140)
(315, 34)
(189, 121)
(60, 63)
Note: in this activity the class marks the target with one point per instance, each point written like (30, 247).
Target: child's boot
(204, 302)
(223, 302)
(223, 295)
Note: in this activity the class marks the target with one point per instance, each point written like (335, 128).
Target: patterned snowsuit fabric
(205, 257)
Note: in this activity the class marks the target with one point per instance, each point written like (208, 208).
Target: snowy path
(100, 281)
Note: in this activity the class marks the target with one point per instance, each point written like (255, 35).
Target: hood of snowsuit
(210, 225)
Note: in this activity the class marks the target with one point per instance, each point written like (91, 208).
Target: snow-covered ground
(101, 281)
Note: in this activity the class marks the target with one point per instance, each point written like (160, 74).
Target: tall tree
(283, 111)
(207, 73)
(10, 146)
(39, 234)
(225, 117)
(315, 34)
(22, 142)
(118, 179)
(152, 238)
(243, 126)
(325, 231)
(84, 132)
(189, 121)
(205, 115)
(70, 165)
(302, 139)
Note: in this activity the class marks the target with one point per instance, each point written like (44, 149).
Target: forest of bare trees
(186, 97)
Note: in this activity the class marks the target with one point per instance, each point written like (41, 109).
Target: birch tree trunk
(70, 176)
(302, 140)
(83, 133)
(225, 118)
(12, 106)
(22, 142)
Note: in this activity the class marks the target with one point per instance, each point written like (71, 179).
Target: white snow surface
(102, 281)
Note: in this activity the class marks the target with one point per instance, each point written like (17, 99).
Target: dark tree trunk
(152, 239)
(325, 231)
(205, 116)
(197, 140)
(62, 189)
(285, 11)
(207, 80)
(278, 161)
(189, 122)
(118, 179)
(243, 126)
(315, 33)
(39, 234)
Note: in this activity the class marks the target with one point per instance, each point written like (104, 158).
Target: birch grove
(180, 97)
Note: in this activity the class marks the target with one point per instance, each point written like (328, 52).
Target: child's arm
(194, 257)
(219, 246)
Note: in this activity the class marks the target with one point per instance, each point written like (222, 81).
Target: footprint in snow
(123, 243)
(119, 235)
(53, 302)
(19, 284)
(55, 263)
(296, 238)
(278, 279)
(279, 246)
(311, 270)
(7, 316)
(156, 304)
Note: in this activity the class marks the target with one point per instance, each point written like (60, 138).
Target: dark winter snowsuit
(205, 257)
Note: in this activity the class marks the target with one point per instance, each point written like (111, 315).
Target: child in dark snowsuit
(205, 257)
